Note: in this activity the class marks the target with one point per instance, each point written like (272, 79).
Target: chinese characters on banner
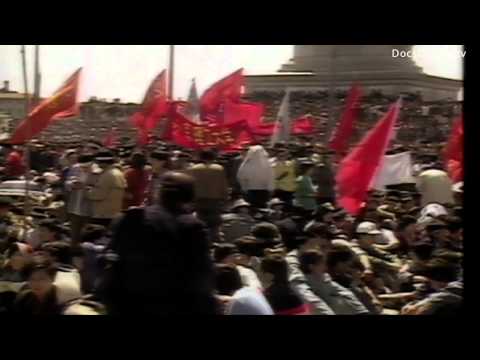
(197, 136)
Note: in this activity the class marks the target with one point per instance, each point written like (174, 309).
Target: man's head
(240, 206)
(40, 273)
(339, 260)
(247, 247)
(227, 279)
(72, 157)
(207, 155)
(225, 254)
(283, 155)
(458, 193)
(18, 255)
(421, 252)
(60, 252)
(440, 272)
(85, 162)
(49, 231)
(138, 161)
(324, 213)
(92, 233)
(276, 205)
(306, 168)
(159, 160)
(319, 233)
(438, 231)
(104, 159)
(273, 270)
(267, 234)
(342, 220)
(5, 205)
(313, 262)
(177, 190)
(367, 233)
(455, 226)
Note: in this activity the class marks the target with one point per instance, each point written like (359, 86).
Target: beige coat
(210, 181)
(107, 194)
(435, 186)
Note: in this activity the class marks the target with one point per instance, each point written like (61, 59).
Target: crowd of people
(164, 230)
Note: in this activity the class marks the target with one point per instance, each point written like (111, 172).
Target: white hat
(431, 211)
(368, 227)
(458, 187)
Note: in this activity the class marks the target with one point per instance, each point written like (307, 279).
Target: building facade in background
(375, 67)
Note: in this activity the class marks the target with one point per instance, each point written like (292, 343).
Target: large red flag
(62, 104)
(251, 112)
(358, 169)
(228, 88)
(188, 134)
(454, 151)
(154, 105)
(340, 138)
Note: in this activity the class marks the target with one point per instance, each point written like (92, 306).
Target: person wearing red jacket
(137, 181)
(14, 165)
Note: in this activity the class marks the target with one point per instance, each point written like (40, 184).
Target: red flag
(357, 171)
(454, 151)
(303, 125)
(62, 104)
(154, 105)
(339, 141)
(251, 112)
(197, 136)
(110, 140)
(229, 88)
(143, 137)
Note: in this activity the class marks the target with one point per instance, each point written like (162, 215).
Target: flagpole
(171, 72)
(36, 86)
(331, 94)
(27, 145)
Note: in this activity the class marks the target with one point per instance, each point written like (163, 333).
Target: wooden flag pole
(27, 145)
(331, 95)
(171, 72)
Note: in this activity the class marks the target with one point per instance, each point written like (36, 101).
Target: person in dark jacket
(160, 257)
(447, 298)
(282, 298)
(324, 177)
(41, 296)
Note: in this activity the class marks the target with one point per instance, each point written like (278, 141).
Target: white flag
(396, 169)
(282, 125)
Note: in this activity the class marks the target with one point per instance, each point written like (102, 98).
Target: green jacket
(305, 193)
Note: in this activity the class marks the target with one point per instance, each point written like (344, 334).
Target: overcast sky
(125, 71)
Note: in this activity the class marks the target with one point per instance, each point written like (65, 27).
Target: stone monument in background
(374, 67)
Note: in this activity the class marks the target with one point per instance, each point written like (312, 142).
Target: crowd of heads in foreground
(259, 232)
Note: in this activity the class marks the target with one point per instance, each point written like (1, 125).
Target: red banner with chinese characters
(199, 136)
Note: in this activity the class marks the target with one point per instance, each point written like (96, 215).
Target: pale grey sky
(125, 71)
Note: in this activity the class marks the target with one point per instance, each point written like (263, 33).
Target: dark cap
(6, 201)
(436, 225)
(160, 155)
(104, 156)
(85, 159)
(222, 251)
(265, 230)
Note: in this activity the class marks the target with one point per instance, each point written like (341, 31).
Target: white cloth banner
(396, 169)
